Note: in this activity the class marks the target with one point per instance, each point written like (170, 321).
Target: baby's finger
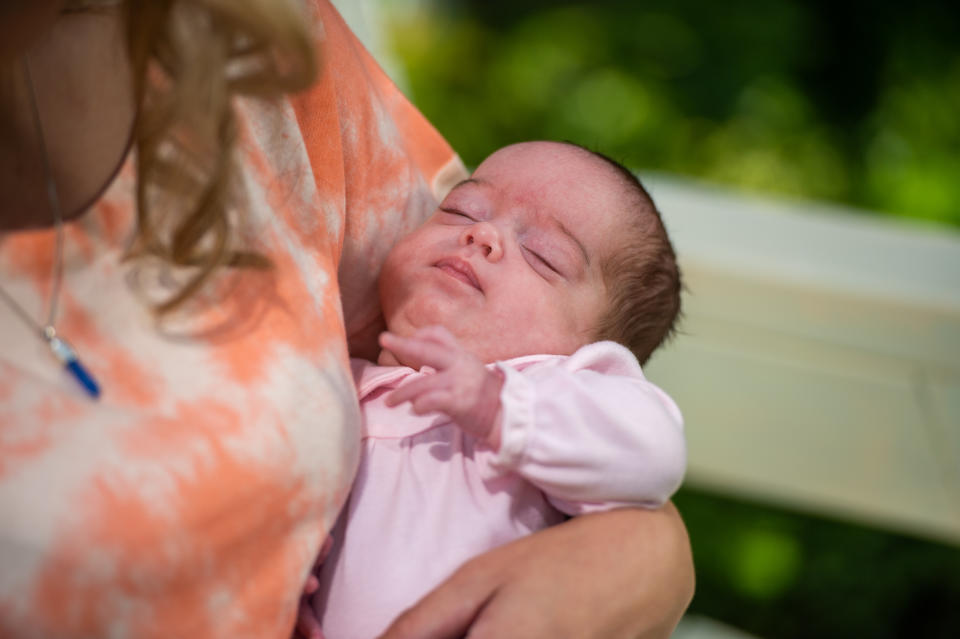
(437, 334)
(435, 401)
(311, 585)
(417, 352)
(411, 390)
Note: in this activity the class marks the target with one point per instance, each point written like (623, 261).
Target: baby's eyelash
(544, 261)
(455, 212)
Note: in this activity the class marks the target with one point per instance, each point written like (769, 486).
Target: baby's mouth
(460, 270)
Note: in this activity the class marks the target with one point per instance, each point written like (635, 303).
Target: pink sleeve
(592, 432)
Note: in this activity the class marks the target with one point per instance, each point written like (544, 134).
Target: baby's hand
(462, 388)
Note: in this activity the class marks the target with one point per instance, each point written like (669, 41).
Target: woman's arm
(624, 573)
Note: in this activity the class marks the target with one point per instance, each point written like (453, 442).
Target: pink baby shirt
(580, 433)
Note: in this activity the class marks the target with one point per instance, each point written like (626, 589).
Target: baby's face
(510, 262)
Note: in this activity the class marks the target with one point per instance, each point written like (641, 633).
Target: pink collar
(368, 377)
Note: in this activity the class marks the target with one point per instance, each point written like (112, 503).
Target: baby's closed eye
(544, 265)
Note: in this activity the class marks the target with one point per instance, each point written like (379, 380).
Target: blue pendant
(68, 357)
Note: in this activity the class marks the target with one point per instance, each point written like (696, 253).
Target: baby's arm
(462, 388)
(591, 432)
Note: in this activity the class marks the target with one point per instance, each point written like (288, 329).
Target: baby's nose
(486, 237)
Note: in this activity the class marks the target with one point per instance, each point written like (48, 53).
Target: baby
(506, 396)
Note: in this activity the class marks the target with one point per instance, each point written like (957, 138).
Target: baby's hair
(642, 276)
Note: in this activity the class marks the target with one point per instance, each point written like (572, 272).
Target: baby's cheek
(539, 326)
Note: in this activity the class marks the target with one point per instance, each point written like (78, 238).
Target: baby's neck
(386, 358)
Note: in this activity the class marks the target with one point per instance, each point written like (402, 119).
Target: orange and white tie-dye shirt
(191, 498)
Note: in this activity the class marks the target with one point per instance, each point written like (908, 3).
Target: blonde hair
(190, 59)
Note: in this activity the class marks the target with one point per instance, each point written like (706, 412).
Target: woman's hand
(624, 573)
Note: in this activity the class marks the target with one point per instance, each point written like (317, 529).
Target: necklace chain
(58, 346)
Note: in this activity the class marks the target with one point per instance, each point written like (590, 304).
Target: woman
(177, 478)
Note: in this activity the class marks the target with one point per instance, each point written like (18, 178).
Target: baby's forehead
(542, 155)
(535, 168)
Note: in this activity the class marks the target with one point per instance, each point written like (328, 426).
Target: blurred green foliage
(856, 102)
(779, 574)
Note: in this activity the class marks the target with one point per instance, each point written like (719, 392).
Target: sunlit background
(806, 156)
(854, 101)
